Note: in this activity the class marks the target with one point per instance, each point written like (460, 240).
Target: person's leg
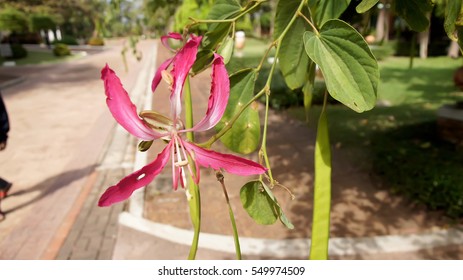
(4, 188)
(2, 215)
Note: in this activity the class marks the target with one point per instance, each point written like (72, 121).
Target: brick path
(60, 131)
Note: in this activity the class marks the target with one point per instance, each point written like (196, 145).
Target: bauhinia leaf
(293, 63)
(217, 32)
(328, 9)
(257, 203)
(223, 9)
(322, 192)
(350, 69)
(283, 219)
(453, 12)
(226, 49)
(414, 12)
(366, 5)
(308, 90)
(244, 136)
(460, 37)
(203, 59)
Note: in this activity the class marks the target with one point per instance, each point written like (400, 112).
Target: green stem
(266, 88)
(263, 148)
(194, 198)
(188, 109)
(241, 13)
(236, 239)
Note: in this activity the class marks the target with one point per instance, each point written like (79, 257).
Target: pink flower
(152, 126)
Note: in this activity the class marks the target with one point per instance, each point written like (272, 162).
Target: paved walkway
(60, 131)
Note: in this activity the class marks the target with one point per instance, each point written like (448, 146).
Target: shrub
(18, 51)
(61, 50)
(422, 167)
(96, 41)
(68, 40)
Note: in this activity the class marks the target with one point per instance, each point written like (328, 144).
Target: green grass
(399, 142)
(40, 57)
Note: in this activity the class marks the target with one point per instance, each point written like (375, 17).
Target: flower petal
(230, 163)
(182, 64)
(124, 189)
(122, 109)
(170, 35)
(157, 77)
(220, 92)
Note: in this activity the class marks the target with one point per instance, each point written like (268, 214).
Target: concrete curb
(298, 248)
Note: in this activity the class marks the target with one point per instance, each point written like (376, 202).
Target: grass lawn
(41, 57)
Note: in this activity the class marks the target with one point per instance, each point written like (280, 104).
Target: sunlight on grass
(430, 80)
(41, 57)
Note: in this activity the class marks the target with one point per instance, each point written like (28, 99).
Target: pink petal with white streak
(230, 163)
(182, 64)
(170, 35)
(122, 109)
(157, 77)
(218, 99)
(124, 189)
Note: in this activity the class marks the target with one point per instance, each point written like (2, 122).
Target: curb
(298, 248)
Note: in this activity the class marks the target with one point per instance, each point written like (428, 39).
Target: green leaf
(283, 219)
(460, 37)
(350, 69)
(285, 11)
(292, 60)
(244, 136)
(328, 9)
(226, 49)
(223, 9)
(257, 203)
(366, 5)
(322, 192)
(453, 12)
(414, 12)
(216, 34)
(308, 90)
(293, 63)
(203, 60)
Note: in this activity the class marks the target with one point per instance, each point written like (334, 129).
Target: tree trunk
(423, 38)
(454, 50)
(382, 25)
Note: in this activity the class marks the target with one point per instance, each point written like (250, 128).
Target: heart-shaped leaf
(283, 219)
(257, 203)
(453, 12)
(366, 5)
(414, 12)
(223, 9)
(244, 136)
(349, 68)
(292, 61)
(328, 9)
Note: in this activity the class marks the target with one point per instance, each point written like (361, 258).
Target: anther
(181, 163)
(167, 77)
